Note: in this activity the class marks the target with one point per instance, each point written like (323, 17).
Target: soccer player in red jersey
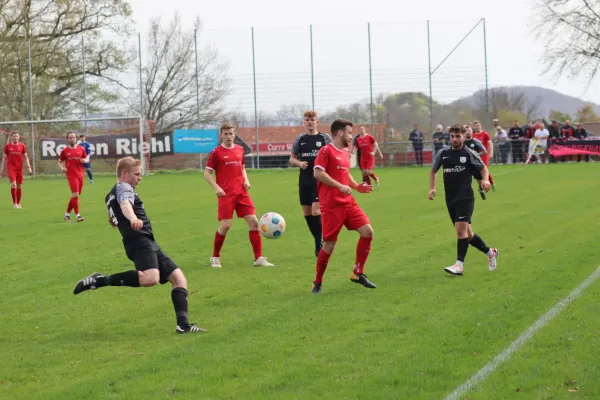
(71, 161)
(486, 140)
(14, 153)
(368, 147)
(338, 207)
(231, 187)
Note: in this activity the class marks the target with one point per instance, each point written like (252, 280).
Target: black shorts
(148, 255)
(461, 210)
(308, 193)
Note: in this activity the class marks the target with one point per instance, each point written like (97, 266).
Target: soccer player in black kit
(459, 165)
(126, 212)
(304, 152)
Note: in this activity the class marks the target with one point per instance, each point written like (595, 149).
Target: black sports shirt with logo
(305, 148)
(459, 167)
(124, 192)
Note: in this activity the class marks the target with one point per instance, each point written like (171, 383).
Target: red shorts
(15, 175)
(486, 160)
(240, 203)
(332, 220)
(75, 183)
(367, 162)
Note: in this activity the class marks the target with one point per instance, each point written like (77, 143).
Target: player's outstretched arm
(208, 175)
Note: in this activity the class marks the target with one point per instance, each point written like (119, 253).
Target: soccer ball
(271, 225)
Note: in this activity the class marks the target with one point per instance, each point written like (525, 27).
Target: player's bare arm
(208, 175)
(297, 163)
(485, 179)
(432, 182)
(247, 184)
(376, 149)
(28, 164)
(61, 165)
(128, 212)
(324, 178)
(3, 166)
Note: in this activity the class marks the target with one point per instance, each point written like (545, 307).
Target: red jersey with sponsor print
(72, 158)
(228, 164)
(14, 155)
(365, 144)
(336, 163)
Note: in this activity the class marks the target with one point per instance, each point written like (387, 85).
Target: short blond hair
(310, 114)
(126, 164)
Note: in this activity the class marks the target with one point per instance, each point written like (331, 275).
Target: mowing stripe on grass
(487, 370)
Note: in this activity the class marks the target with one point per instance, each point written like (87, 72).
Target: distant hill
(549, 100)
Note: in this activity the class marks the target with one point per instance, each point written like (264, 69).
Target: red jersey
(14, 155)
(336, 163)
(484, 138)
(228, 165)
(72, 159)
(365, 144)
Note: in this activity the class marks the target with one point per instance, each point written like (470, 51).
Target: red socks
(256, 242)
(362, 252)
(366, 179)
(373, 175)
(19, 194)
(219, 240)
(73, 205)
(322, 261)
(13, 193)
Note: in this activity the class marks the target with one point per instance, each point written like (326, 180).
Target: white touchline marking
(487, 370)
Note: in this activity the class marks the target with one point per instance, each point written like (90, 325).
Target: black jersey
(476, 146)
(124, 192)
(305, 148)
(459, 167)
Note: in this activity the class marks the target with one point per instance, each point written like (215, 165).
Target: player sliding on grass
(231, 187)
(459, 164)
(126, 212)
(338, 207)
(14, 153)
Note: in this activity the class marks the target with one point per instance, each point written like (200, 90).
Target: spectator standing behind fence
(581, 134)
(517, 139)
(542, 135)
(416, 137)
(439, 139)
(566, 133)
(502, 140)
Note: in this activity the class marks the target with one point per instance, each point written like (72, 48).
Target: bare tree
(291, 113)
(169, 78)
(55, 30)
(571, 33)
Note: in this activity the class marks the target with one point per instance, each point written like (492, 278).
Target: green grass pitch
(419, 335)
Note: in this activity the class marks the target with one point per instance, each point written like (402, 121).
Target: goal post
(111, 138)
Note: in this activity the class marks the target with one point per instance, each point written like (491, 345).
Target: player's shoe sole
(190, 329)
(67, 218)
(362, 279)
(88, 283)
(80, 219)
(316, 288)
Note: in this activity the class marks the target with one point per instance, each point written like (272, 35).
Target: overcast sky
(340, 47)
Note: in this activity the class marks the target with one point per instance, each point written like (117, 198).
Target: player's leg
(225, 209)
(12, 178)
(357, 220)
(80, 181)
(363, 171)
(333, 221)
(460, 220)
(244, 208)
(492, 253)
(74, 186)
(370, 173)
(88, 169)
(309, 200)
(19, 185)
(170, 272)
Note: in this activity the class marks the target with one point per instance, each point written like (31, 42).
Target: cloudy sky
(399, 54)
